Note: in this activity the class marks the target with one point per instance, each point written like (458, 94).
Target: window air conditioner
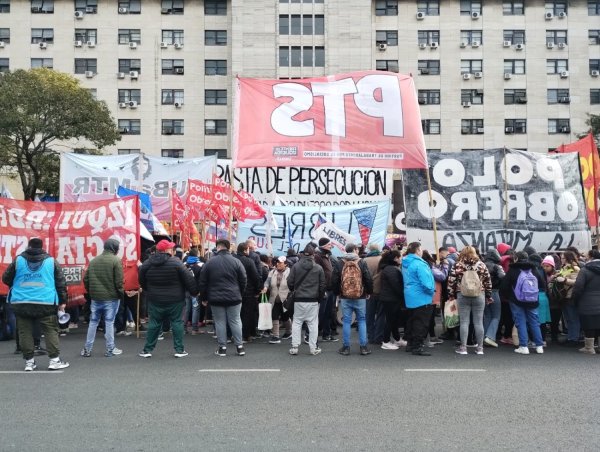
(134, 74)
(123, 11)
(434, 45)
(178, 45)
(382, 46)
(478, 74)
(79, 14)
(89, 74)
(506, 44)
(564, 74)
(133, 45)
(475, 44)
(43, 45)
(562, 15)
(507, 76)
(179, 70)
(466, 76)
(78, 43)
(420, 16)
(562, 45)
(463, 44)
(422, 46)
(91, 43)
(178, 104)
(475, 15)
(466, 104)
(132, 104)
(509, 130)
(121, 75)
(122, 104)
(520, 46)
(2, 44)
(595, 73)
(163, 45)
(549, 45)
(549, 15)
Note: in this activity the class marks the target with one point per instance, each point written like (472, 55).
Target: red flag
(589, 162)
(178, 211)
(249, 208)
(200, 195)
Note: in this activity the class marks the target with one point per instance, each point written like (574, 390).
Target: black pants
(418, 325)
(391, 310)
(591, 334)
(249, 315)
(506, 321)
(555, 315)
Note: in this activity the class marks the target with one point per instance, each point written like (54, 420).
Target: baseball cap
(164, 245)
(281, 259)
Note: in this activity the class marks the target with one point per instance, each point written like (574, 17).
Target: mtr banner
(361, 119)
(73, 233)
(501, 195)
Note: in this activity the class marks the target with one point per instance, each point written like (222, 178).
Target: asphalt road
(389, 400)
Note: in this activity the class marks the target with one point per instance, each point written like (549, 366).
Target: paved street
(386, 401)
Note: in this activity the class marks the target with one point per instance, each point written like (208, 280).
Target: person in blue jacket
(419, 288)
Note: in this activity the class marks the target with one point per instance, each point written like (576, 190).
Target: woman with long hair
(391, 295)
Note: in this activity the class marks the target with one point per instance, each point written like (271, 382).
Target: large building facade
(489, 73)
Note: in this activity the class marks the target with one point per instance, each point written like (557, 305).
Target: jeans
(98, 308)
(523, 318)
(573, 323)
(158, 314)
(26, 328)
(309, 313)
(375, 319)
(491, 316)
(325, 313)
(189, 305)
(228, 315)
(359, 307)
(466, 306)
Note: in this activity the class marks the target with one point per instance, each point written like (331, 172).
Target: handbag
(265, 309)
(288, 304)
(451, 319)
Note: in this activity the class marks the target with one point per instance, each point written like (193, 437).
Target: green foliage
(593, 121)
(42, 110)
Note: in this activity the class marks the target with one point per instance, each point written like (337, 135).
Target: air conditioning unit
(480, 130)
(463, 44)
(178, 45)
(565, 130)
(422, 46)
(132, 104)
(89, 74)
(123, 10)
(43, 45)
(595, 73)
(549, 15)
(466, 76)
(420, 16)
(91, 43)
(165, 11)
(521, 100)
(475, 44)
(509, 130)
(78, 43)
(122, 104)
(121, 75)
(506, 44)
(2, 44)
(133, 45)
(79, 14)
(478, 74)
(564, 100)
(178, 104)
(466, 104)
(562, 45)
(179, 70)
(562, 15)
(422, 101)
(163, 45)
(507, 76)
(382, 46)
(434, 45)
(549, 45)
(424, 71)
(520, 46)
(475, 15)
(134, 74)
(90, 10)
(564, 74)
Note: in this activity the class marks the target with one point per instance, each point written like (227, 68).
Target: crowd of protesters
(393, 297)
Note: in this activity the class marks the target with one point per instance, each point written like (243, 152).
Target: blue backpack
(527, 290)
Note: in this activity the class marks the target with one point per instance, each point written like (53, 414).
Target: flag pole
(432, 212)
(137, 333)
(505, 190)
(231, 190)
(595, 159)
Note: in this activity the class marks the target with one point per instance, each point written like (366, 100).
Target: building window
(471, 126)
(220, 153)
(297, 56)
(4, 65)
(5, 35)
(558, 96)
(172, 126)
(127, 35)
(429, 67)
(215, 67)
(514, 66)
(172, 96)
(128, 151)
(387, 65)
(515, 126)
(128, 95)
(556, 66)
(126, 65)
(284, 24)
(559, 126)
(130, 6)
(429, 7)
(4, 6)
(431, 126)
(41, 62)
(595, 96)
(93, 92)
(86, 6)
(389, 37)
(83, 65)
(471, 66)
(172, 153)
(386, 7)
(594, 65)
(556, 7)
(129, 126)
(429, 96)
(171, 7)
(295, 24)
(593, 7)
(215, 7)
(172, 67)
(556, 36)
(428, 36)
(215, 97)
(513, 8)
(171, 37)
(42, 6)
(515, 96)
(468, 7)
(86, 35)
(215, 37)
(594, 37)
(473, 96)
(319, 29)
(42, 35)
(215, 127)
(468, 37)
(515, 36)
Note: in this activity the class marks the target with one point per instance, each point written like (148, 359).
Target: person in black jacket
(221, 284)
(250, 295)
(586, 296)
(492, 311)
(165, 280)
(391, 295)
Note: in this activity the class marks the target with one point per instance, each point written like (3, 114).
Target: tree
(593, 121)
(41, 109)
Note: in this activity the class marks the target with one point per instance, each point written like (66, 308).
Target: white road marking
(445, 370)
(239, 370)
(29, 372)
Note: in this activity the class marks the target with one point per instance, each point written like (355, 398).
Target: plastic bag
(451, 319)
(265, 309)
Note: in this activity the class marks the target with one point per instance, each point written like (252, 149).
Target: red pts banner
(360, 119)
(73, 233)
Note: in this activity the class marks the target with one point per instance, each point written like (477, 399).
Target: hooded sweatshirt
(419, 285)
(307, 280)
(492, 262)
(165, 279)
(103, 279)
(507, 288)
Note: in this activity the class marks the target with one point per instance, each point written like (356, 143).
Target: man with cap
(165, 280)
(325, 259)
(103, 282)
(37, 286)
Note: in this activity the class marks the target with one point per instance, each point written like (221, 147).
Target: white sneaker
(522, 350)
(389, 346)
(30, 365)
(294, 351)
(130, 326)
(315, 351)
(400, 343)
(182, 354)
(57, 364)
(539, 350)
